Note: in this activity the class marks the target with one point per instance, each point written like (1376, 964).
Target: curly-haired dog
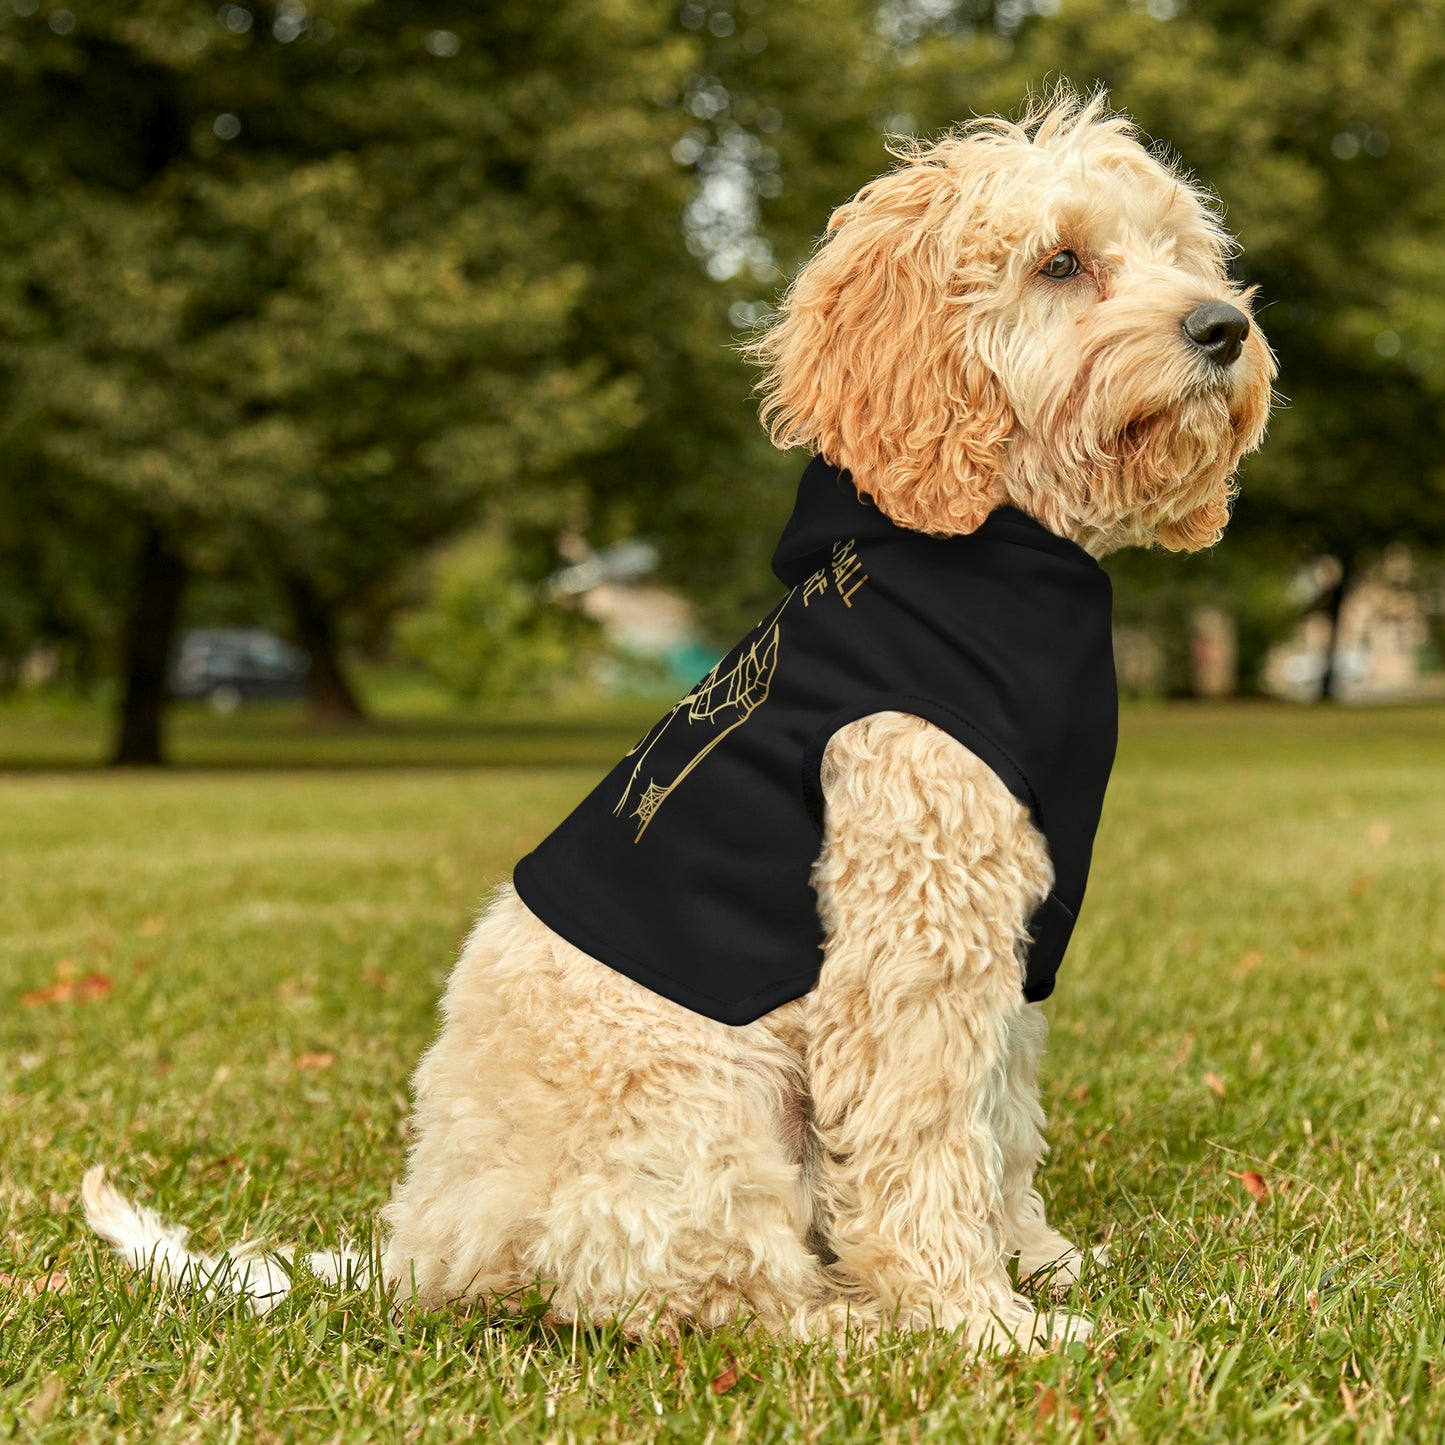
(1023, 348)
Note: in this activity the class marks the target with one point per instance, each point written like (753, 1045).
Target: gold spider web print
(729, 698)
(650, 801)
(735, 688)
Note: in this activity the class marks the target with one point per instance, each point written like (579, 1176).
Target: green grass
(1256, 985)
(408, 730)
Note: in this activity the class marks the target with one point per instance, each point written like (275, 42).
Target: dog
(1026, 333)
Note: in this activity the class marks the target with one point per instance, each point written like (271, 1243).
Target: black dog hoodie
(688, 867)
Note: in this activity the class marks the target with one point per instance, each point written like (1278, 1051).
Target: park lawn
(410, 727)
(216, 981)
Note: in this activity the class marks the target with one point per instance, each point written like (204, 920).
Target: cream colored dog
(1010, 316)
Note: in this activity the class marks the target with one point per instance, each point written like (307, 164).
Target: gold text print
(846, 571)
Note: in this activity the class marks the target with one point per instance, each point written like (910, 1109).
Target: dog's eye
(1060, 266)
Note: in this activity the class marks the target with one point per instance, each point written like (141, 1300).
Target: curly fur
(866, 1155)
(648, 1164)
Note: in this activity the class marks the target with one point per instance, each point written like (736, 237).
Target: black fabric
(688, 867)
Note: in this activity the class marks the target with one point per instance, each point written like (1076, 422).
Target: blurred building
(1382, 651)
(656, 641)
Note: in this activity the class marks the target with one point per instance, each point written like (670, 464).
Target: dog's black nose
(1218, 331)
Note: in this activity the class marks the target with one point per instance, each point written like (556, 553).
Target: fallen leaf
(377, 978)
(1248, 963)
(1377, 834)
(1080, 1094)
(56, 993)
(1103, 1139)
(56, 1282)
(320, 1059)
(151, 927)
(724, 1382)
(1214, 1083)
(1440, 980)
(1254, 1182)
(1359, 886)
(1047, 1408)
(83, 990)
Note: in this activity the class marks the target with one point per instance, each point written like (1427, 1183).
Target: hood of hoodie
(829, 509)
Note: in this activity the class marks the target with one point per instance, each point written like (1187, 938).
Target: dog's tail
(147, 1243)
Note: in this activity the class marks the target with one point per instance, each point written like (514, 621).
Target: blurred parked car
(230, 665)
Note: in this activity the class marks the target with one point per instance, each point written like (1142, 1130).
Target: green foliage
(486, 633)
(316, 286)
(320, 295)
(61, 568)
(307, 287)
(776, 119)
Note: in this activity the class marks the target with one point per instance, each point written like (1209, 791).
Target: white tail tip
(147, 1243)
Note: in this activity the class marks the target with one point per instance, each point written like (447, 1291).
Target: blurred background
(362, 360)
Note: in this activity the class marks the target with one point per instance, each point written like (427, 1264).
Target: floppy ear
(872, 359)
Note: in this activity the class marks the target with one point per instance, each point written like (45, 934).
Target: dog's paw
(1023, 1326)
(1057, 1267)
(1059, 1327)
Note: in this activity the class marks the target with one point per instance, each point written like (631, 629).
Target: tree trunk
(333, 699)
(1329, 678)
(150, 631)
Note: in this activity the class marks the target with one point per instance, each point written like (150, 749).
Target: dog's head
(1034, 313)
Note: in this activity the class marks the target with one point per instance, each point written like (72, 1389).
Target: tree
(304, 286)
(776, 119)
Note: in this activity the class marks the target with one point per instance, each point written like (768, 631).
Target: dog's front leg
(929, 870)
(1042, 1251)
